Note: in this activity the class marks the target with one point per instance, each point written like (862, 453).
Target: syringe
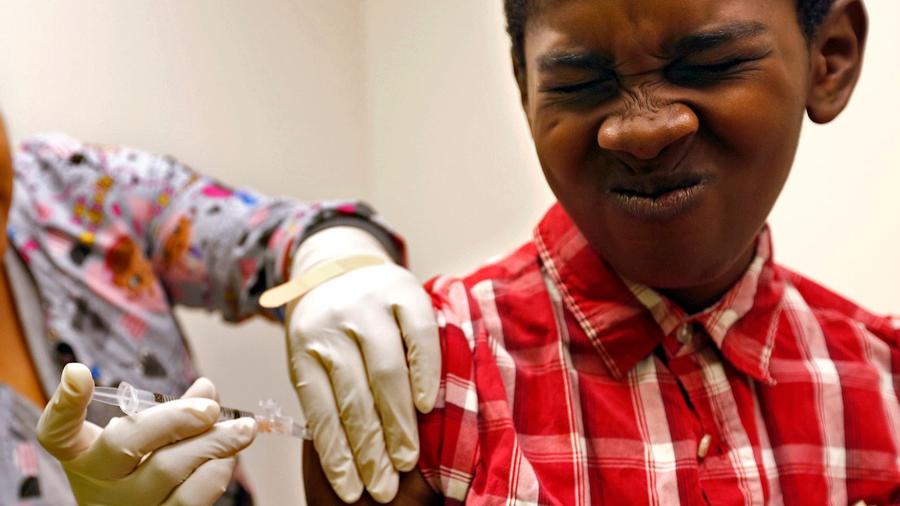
(133, 400)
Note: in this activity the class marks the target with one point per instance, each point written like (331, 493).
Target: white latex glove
(189, 460)
(355, 381)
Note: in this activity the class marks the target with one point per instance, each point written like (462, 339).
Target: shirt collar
(625, 321)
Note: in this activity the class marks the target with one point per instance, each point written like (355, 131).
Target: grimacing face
(667, 128)
(6, 181)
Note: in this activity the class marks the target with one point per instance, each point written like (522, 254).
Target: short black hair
(810, 14)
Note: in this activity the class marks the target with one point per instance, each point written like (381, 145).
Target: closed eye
(597, 88)
(707, 74)
(575, 88)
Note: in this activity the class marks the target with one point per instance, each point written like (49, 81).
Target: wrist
(333, 243)
(320, 273)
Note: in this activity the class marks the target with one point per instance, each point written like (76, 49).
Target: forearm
(219, 248)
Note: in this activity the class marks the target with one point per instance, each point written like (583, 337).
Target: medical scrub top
(104, 242)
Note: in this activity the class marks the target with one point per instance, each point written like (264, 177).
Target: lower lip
(663, 207)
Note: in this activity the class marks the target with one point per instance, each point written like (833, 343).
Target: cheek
(565, 142)
(755, 130)
(757, 123)
(759, 119)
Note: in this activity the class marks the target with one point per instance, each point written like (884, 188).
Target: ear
(836, 56)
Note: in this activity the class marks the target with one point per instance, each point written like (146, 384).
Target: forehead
(648, 25)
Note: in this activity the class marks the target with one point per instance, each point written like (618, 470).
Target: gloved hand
(190, 459)
(348, 364)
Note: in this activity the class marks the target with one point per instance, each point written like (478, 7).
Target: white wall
(407, 102)
(262, 93)
(453, 165)
(838, 219)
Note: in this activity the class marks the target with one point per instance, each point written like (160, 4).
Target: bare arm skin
(414, 491)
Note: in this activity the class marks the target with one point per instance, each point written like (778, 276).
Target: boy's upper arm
(448, 435)
(414, 490)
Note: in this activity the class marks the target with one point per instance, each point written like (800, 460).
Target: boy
(644, 347)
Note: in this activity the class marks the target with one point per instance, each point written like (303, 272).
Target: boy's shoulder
(516, 270)
(511, 289)
(832, 308)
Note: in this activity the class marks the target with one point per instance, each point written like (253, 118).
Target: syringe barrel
(133, 400)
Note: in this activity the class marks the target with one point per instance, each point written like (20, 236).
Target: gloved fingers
(316, 396)
(360, 420)
(62, 430)
(124, 442)
(389, 378)
(423, 348)
(207, 484)
(202, 387)
(166, 468)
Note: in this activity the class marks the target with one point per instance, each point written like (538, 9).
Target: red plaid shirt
(564, 384)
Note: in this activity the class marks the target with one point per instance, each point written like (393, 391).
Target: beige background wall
(409, 104)
(262, 93)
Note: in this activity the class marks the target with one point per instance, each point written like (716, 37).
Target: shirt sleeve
(448, 435)
(210, 245)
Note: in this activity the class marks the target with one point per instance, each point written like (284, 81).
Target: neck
(695, 299)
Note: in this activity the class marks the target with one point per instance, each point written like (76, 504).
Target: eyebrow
(693, 43)
(703, 41)
(573, 60)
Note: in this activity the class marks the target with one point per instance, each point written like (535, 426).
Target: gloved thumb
(202, 387)
(61, 429)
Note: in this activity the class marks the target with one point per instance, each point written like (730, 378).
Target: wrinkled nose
(646, 134)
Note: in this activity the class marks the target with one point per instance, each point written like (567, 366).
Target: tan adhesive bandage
(315, 276)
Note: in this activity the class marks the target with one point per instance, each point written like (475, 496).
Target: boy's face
(6, 180)
(667, 128)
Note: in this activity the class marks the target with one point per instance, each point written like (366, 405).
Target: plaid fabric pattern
(564, 384)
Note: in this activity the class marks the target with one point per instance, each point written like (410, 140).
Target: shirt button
(684, 333)
(703, 447)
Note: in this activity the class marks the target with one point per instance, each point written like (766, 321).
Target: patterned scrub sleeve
(210, 245)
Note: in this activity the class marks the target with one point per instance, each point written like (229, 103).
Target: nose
(645, 134)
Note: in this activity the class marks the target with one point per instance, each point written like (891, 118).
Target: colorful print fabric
(114, 237)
